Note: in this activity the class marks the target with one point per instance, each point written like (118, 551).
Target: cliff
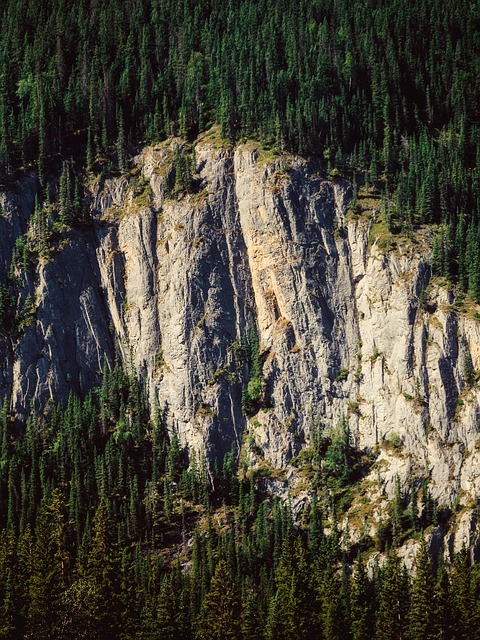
(348, 322)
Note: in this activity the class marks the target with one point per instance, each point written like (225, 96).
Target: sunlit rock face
(170, 286)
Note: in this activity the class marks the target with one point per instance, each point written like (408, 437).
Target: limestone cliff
(348, 322)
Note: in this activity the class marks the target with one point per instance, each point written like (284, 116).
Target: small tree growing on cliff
(253, 392)
(338, 458)
(468, 368)
(183, 173)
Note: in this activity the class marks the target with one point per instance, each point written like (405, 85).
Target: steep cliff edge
(346, 327)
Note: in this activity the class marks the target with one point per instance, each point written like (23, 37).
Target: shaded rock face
(65, 349)
(168, 286)
(15, 209)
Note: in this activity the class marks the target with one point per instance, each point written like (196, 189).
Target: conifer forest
(113, 528)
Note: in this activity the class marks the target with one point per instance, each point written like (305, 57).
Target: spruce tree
(101, 579)
(420, 620)
(362, 604)
(393, 600)
(220, 616)
(461, 590)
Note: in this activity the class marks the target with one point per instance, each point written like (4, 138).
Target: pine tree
(43, 603)
(252, 624)
(412, 506)
(167, 613)
(442, 609)
(121, 145)
(100, 578)
(220, 617)
(461, 590)
(397, 514)
(331, 607)
(8, 609)
(393, 600)
(65, 210)
(362, 610)
(9, 588)
(420, 619)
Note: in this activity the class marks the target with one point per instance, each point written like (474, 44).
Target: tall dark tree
(221, 611)
(421, 616)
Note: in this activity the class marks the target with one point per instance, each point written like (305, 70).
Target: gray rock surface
(168, 285)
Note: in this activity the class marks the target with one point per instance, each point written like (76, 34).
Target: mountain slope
(181, 285)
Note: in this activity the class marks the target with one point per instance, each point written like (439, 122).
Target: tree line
(388, 92)
(390, 88)
(110, 530)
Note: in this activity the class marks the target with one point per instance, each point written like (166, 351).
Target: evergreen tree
(362, 604)
(101, 573)
(221, 610)
(331, 607)
(252, 624)
(420, 621)
(461, 589)
(43, 596)
(393, 600)
(442, 609)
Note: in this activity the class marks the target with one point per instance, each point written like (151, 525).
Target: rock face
(346, 327)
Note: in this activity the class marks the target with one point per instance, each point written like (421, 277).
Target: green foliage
(405, 517)
(338, 457)
(6, 309)
(393, 600)
(468, 369)
(253, 393)
(97, 507)
(342, 376)
(95, 497)
(421, 621)
(395, 440)
(20, 255)
(101, 573)
(463, 596)
(362, 89)
(220, 616)
(182, 169)
(362, 609)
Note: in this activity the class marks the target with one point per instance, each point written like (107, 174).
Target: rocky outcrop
(348, 327)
